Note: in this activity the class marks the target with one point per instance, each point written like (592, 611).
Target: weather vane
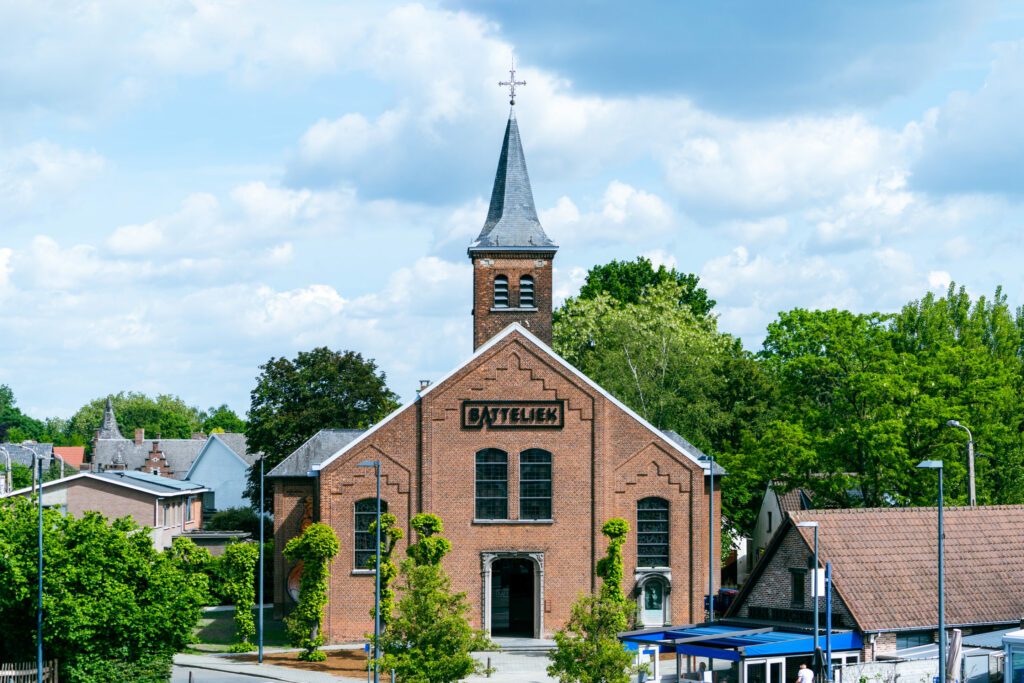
(512, 83)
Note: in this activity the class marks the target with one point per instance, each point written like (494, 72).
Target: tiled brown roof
(885, 563)
(795, 500)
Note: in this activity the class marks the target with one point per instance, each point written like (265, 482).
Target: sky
(190, 188)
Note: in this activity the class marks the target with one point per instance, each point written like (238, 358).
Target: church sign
(513, 414)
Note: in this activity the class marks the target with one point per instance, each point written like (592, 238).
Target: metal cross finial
(512, 83)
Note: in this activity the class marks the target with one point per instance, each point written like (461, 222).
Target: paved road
(179, 674)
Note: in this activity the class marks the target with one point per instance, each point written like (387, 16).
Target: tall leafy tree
(319, 389)
(111, 601)
(163, 414)
(628, 281)
(223, 419)
(429, 639)
(587, 649)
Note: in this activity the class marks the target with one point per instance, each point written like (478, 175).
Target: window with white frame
(491, 484)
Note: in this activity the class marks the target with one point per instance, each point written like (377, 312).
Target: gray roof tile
(512, 221)
(318, 448)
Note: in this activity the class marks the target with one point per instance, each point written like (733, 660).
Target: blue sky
(190, 188)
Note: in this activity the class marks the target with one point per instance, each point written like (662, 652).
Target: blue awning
(722, 641)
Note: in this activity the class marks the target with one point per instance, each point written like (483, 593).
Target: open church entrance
(512, 599)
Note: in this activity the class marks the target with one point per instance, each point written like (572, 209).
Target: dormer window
(501, 292)
(526, 292)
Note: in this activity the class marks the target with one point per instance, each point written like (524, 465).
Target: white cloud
(623, 215)
(938, 280)
(135, 239)
(43, 172)
(771, 229)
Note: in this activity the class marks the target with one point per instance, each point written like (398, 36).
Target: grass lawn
(216, 631)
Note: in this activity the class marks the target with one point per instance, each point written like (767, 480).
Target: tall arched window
(526, 292)
(365, 515)
(535, 484)
(652, 532)
(491, 484)
(500, 291)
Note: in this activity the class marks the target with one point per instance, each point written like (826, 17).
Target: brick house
(522, 456)
(167, 506)
(885, 576)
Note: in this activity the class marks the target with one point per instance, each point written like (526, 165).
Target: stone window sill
(364, 572)
(514, 309)
(513, 521)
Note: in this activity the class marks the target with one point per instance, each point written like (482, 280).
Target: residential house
(168, 506)
(885, 573)
(222, 465)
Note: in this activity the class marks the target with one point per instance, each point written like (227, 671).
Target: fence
(25, 672)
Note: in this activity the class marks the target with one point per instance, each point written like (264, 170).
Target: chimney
(95, 437)
(157, 437)
(140, 436)
(424, 383)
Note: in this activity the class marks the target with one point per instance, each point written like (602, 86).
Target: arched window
(500, 291)
(526, 292)
(491, 484)
(535, 484)
(365, 515)
(652, 532)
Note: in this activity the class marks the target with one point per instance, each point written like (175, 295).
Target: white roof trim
(202, 452)
(90, 475)
(516, 327)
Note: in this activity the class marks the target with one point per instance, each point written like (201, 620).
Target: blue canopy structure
(734, 643)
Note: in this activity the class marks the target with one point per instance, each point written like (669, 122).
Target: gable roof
(138, 481)
(795, 500)
(179, 453)
(512, 222)
(317, 448)
(235, 446)
(72, 455)
(677, 443)
(884, 563)
(26, 453)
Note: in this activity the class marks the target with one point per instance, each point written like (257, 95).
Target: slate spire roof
(512, 222)
(109, 430)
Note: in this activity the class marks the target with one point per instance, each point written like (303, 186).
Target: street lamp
(711, 538)
(39, 609)
(973, 499)
(375, 464)
(261, 559)
(937, 465)
(814, 580)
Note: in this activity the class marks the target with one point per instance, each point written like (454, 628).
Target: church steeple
(108, 429)
(512, 255)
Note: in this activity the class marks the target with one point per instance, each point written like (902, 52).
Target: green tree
(587, 649)
(430, 640)
(319, 389)
(165, 414)
(239, 564)
(223, 419)
(315, 549)
(112, 603)
(390, 536)
(628, 281)
(15, 426)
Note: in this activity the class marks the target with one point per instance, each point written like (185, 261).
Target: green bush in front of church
(315, 548)
(587, 650)
(429, 639)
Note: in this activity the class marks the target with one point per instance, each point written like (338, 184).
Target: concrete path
(253, 670)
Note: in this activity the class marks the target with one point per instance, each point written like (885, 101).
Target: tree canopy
(166, 415)
(109, 598)
(319, 389)
(628, 281)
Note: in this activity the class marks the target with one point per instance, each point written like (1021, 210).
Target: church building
(523, 458)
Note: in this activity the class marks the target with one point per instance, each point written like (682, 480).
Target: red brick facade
(603, 461)
(489, 320)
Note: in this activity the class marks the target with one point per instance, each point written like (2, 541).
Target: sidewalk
(269, 671)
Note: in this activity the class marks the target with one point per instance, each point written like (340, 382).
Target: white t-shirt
(805, 676)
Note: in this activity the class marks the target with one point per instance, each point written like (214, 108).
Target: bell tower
(512, 256)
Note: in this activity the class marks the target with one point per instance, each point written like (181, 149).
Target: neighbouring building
(885, 573)
(168, 506)
(219, 462)
(222, 465)
(521, 455)
(775, 505)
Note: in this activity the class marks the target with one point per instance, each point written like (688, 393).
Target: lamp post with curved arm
(973, 499)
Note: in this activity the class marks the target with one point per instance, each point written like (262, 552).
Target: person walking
(804, 675)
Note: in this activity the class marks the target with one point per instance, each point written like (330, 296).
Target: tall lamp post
(39, 609)
(261, 559)
(973, 499)
(711, 539)
(815, 591)
(375, 464)
(937, 465)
